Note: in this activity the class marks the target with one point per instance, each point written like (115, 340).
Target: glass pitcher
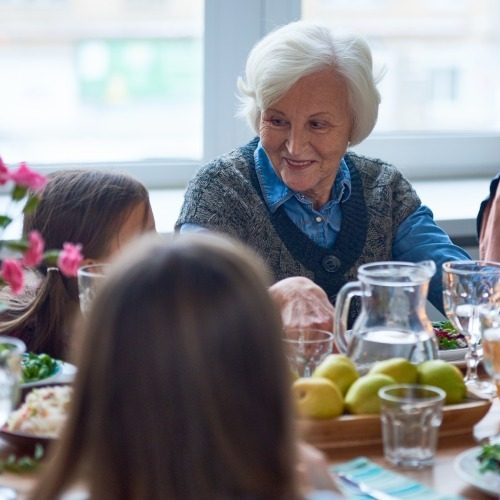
(393, 321)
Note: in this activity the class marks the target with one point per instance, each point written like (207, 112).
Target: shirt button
(319, 219)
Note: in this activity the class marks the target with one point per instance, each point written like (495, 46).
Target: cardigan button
(330, 263)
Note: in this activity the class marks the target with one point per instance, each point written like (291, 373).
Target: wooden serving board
(362, 430)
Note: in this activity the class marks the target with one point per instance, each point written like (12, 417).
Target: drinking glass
(489, 317)
(90, 279)
(411, 415)
(11, 351)
(468, 285)
(306, 348)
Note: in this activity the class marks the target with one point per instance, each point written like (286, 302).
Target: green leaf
(24, 463)
(31, 203)
(5, 220)
(445, 325)
(17, 245)
(50, 257)
(489, 458)
(18, 193)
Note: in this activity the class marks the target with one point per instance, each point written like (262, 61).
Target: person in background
(295, 193)
(183, 390)
(100, 210)
(488, 224)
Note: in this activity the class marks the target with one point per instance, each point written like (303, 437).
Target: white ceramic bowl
(456, 356)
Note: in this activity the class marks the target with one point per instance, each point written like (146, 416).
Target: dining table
(441, 476)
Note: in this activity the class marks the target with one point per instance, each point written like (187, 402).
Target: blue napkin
(364, 470)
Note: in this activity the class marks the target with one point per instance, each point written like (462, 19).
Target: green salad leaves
(37, 366)
(22, 464)
(447, 336)
(489, 458)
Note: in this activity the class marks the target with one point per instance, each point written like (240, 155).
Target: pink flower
(26, 177)
(69, 259)
(12, 274)
(34, 255)
(4, 173)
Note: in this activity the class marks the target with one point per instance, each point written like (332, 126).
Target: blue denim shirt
(322, 225)
(417, 238)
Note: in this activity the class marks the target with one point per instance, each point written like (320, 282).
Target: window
(92, 81)
(441, 86)
(149, 85)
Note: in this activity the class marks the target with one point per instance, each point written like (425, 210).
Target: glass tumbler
(90, 279)
(306, 348)
(11, 351)
(411, 415)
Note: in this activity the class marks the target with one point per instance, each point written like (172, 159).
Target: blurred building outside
(86, 80)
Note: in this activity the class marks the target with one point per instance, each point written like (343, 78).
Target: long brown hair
(80, 206)
(182, 390)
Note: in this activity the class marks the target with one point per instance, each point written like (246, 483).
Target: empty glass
(411, 415)
(89, 279)
(306, 348)
(468, 285)
(11, 351)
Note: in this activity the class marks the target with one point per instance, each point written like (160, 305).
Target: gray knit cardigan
(225, 196)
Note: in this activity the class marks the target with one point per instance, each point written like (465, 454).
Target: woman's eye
(317, 125)
(277, 122)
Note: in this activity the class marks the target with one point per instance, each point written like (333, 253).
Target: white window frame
(231, 29)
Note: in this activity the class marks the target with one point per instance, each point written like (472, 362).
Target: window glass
(93, 80)
(440, 58)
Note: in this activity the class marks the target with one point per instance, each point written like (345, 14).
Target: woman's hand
(303, 304)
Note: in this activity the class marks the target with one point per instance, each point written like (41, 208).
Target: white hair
(299, 49)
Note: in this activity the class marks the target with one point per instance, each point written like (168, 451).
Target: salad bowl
(23, 441)
(452, 344)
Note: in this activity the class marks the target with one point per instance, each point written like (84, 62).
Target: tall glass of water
(467, 286)
(11, 351)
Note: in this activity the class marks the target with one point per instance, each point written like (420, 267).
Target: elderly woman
(294, 193)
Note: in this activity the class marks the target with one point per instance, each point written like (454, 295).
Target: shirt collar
(276, 192)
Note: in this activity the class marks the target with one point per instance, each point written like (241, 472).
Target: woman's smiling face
(306, 134)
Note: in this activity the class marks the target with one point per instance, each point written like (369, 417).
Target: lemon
(444, 375)
(400, 369)
(362, 396)
(339, 369)
(317, 397)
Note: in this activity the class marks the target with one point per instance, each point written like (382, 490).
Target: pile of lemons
(336, 387)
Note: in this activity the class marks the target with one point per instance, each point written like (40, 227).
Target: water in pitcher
(385, 344)
(393, 322)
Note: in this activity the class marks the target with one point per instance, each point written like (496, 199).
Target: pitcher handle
(344, 297)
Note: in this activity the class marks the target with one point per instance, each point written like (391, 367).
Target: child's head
(102, 211)
(182, 389)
